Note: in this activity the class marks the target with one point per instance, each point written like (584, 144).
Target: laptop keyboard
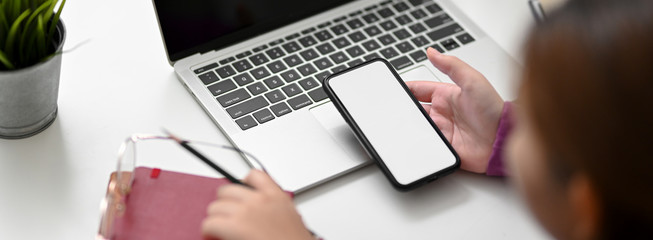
(275, 79)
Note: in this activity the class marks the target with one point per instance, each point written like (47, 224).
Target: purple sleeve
(495, 166)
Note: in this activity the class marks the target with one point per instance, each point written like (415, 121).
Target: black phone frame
(368, 146)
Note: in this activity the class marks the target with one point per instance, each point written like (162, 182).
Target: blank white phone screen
(393, 124)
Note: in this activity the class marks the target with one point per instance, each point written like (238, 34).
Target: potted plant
(31, 41)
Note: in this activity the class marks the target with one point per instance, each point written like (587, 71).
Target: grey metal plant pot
(28, 96)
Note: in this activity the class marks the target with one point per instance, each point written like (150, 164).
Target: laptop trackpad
(331, 120)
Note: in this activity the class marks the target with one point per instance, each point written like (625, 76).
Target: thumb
(260, 181)
(460, 72)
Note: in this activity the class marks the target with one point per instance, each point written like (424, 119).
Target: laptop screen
(196, 26)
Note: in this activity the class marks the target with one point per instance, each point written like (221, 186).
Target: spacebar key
(247, 107)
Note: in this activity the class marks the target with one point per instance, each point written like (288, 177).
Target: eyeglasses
(120, 182)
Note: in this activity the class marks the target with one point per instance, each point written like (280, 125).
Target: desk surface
(120, 83)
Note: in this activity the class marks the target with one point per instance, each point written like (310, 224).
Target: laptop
(255, 67)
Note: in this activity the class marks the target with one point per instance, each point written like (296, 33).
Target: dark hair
(588, 89)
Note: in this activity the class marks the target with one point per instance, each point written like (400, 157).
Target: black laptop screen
(196, 26)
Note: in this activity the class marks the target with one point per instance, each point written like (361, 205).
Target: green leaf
(11, 37)
(5, 61)
(40, 37)
(28, 26)
(55, 21)
(48, 14)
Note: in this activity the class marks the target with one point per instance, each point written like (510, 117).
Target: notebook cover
(167, 205)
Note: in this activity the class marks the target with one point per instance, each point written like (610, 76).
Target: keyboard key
(260, 73)
(225, 71)
(280, 109)
(356, 13)
(276, 42)
(246, 123)
(233, 97)
(371, 45)
(370, 18)
(299, 102)
(339, 19)
(309, 54)
(306, 69)
(321, 76)
(370, 8)
(418, 2)
(339, 29)
(291, 90)
(403, 19)
(317, 95)
(444, 32)
(420, 41)
(437, 47)
(290, 75)
(275, 53)
(372, 31)
(433, 8)
(387, 39)
(307, 41)
(242, 65)
(388, 25)
(354, 62)
(438, 20)
(277, 66)
(386, 2)
(273, 82)
(291, 47)
(401, 63)
(401, 6)
(244, 54)
(325, 48)
(247, 107)
(357, 36)
(401, 34)
(371, 56)
(308, 83)
(263, 116)
(275, 96)
(243, 79)
(418, 14)
(293, 60)
(389, 53)
(341, 42)
(323, 63)
(259, 59)
(323, 35)
(354, 23)
(404, 47)
(308, 30)
(260, 48)
(417, 28)
(208, 78)
(385, 12)
(339, 69)
(292, 36)
(206, 68)
(256, 88)
(465, 38)
(227, 60)
(339, 57)
(449, 44)
(222, 87)
(323, 25)
(355, 51)
(418, 56)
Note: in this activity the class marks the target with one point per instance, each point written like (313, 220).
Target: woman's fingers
(261, 181)
(424, 90)
(460, 72)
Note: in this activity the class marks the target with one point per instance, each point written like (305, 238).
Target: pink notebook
(166, 205)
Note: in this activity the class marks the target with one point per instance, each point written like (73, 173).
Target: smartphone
(391, 124)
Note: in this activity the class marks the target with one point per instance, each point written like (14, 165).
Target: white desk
(120, 83)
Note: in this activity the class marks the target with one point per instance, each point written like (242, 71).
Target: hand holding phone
(391, 125)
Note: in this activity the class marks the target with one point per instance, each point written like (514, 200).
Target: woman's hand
(261, 212)
(467, 112)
